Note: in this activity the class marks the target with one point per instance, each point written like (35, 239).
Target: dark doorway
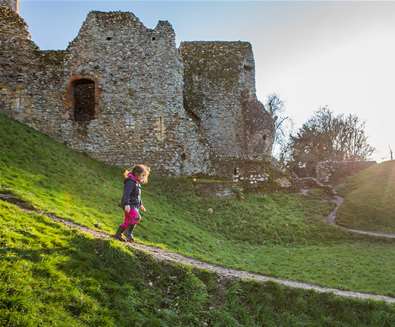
(84, 99)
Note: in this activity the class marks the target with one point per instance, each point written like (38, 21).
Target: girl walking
(131, 200)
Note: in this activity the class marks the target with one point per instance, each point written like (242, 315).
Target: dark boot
(129, 233)
(118, 234)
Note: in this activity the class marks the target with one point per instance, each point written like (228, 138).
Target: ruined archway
(84, 99)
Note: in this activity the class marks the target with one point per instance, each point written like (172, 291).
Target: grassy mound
(276, 234)
(370, 199)
(53, 276)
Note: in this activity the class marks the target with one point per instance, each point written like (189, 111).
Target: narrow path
(338, 201)
(331, 219)
(163, 255)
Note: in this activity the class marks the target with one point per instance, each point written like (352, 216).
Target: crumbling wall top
(12, 24)
(115, 18)
(53, 57)
(216, 60)
(121, 25)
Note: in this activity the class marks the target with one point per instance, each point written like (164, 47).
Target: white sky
(340, 55)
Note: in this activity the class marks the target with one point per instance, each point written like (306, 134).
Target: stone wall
(12, 4)
(138, 84)
(119, 92)
(139, 80)
(219, 87)
(333, 172)
(29, 79)
(219, 92)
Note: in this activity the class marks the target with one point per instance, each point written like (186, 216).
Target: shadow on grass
(98, 282)
(35, 256)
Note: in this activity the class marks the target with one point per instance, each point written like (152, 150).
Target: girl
(131, 200)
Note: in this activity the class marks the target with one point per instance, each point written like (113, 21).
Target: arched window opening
(83, 91)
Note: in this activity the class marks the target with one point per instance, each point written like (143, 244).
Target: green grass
(53, 276)
(277, 234)
(370, 199)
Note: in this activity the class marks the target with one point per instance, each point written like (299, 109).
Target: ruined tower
(219, 91)
(124, 94)
(13, 4)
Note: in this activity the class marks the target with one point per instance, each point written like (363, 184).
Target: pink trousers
(131, 218)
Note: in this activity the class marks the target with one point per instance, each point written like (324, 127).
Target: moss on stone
(53, 57)
(215, 61)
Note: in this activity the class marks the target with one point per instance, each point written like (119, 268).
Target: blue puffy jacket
(131, 192)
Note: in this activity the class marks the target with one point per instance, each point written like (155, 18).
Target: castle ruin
(123, 94)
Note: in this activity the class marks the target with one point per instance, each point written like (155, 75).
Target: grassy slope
(276, 234)
(53, 276)
(370, 199)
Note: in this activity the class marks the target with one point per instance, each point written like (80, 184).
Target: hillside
(53, 276)
(276, 234)
(369, 199)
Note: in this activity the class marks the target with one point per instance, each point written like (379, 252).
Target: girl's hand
(142, 208)
(127, 208)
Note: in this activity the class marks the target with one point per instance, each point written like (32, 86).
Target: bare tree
(282, 123)
(327, 136)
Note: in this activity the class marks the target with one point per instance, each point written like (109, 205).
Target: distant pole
(391, 153)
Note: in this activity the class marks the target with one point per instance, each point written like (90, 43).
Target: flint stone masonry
(332, 172)
(120, 93)
(219, 92)
(12, 4)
